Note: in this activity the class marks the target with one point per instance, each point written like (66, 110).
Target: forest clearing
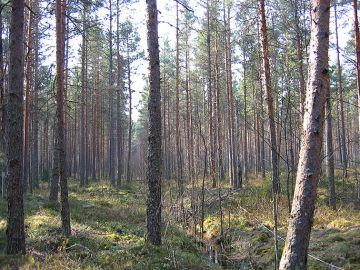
(208, 134)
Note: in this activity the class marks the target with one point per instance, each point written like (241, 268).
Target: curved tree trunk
(302, 212)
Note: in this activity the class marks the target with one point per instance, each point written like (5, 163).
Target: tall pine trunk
(357, 51)
(119, 99)
(26, 158)
(2, 104)
(128, 170)
(82, 148)
(35, 102)
(153, 212)
(111, 105)
(302, 212)
(341, 100)
(329, 153)
(14, 129)
(230, 103)
(271, 117)
(60, 129)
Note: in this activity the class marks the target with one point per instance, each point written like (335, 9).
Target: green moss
(340, 223)
(262, 237)
(336, 237)
(241, 222)
(14, 261)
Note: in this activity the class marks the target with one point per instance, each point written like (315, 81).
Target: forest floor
(108, 228)
(246, 216)
(107, 233)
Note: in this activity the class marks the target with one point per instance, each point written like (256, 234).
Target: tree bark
(119, 100)
(230, 106)
(210, 98)
(357, 50)
(271, 117)
(299, 55)
(14, 128)
(35, 105)
(302, 213)
(329, 153)
(341, 100)
(219, 127)
(268, 96)
(82, 156)
(153, 217)
(2, 104)
(111, 106)
(128, 171)
(245, 159)
(177, 90)
(26, 160)
(54, 184)
(60, 50)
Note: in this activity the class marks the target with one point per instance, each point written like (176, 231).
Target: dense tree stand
(214, 127)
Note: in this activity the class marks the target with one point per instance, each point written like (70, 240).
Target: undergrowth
(247, 217)
(108, 227)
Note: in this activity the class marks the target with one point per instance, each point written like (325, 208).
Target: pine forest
(179, 135)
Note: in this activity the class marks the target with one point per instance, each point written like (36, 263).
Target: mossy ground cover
(248, 222)
(108, 227)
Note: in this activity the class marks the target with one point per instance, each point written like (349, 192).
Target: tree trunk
(14, 133)
(54, 184)
(119, 100)
(210, 99)
(128, 171)
(230, 106)
(302, 213)
(329, 153)
(262, 127)
(111, 106)
(357, 50)
(268, 97)
(342, 134)
(218, 112)
(245, 159)
(35, 105)
(82, 157)
(2, 104)
(177, 86)
(60, 49)
(153, 217)
(26, 160)
(2, 89)
(271, 117)
(299, 55)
